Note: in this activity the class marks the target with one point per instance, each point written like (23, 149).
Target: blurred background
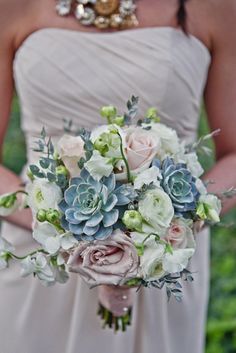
(221, 327)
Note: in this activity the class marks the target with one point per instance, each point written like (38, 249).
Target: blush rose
(111, 261)
(71, 149)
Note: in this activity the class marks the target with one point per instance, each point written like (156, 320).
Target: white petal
(43, 231)
(147, 177)
(3, 264)
(98, 166)
(68, 241)
(177, 261)
(52, 245)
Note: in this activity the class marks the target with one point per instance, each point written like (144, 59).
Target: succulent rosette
(178, 182)
(91, 208)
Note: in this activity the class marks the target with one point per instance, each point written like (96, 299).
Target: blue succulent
(91, 208)
(180, 185)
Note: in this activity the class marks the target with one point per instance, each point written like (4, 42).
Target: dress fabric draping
(63, 74)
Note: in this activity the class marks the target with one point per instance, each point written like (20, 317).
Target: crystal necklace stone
(63, 7)
(127, 7)
(106, 7)
(118, 14)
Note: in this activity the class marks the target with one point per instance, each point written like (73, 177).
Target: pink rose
(71, 149)
(180, 235)
(141, 148)
(109, 261)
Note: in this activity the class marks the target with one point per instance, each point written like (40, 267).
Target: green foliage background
(221, 328)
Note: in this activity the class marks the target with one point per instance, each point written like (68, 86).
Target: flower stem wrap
(116, 306)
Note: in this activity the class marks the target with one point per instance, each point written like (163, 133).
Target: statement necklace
(103, 14)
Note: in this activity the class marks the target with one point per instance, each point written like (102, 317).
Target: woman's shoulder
(222, 15)
(15, 18)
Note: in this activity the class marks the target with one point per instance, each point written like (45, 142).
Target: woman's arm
(9, 182)
(220, 98)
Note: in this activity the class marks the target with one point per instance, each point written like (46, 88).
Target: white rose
(43, 195)
(71, 149)
(178, 261)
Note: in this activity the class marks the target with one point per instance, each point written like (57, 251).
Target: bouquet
(119, 205)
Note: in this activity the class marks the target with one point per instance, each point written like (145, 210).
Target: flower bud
(101, 145)
(53, 216)
(108, 112)
(8, 201)
(61, 169)
(56, 155)
(8, 204)
(41, 215)
(153, 114)
(133, 220)
(119, 120)
(30, 175)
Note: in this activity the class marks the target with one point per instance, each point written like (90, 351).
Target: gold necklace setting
(117, 14)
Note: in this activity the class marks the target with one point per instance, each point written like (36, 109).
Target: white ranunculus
(193, 164)
(157, 210)
(43, 195)
(151, 175)
(51, 240)
(71, 149)
(151, 263)
(38, 265)
(170, 143)
(99, 166)
(177, 261)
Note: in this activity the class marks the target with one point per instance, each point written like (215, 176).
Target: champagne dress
(68, 74)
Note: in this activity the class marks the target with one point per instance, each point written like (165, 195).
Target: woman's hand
(9, 182)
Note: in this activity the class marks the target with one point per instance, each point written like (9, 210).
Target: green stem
(124, 159)
(30, 254)
(21, 192)
(149, 235)
(113, 322)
